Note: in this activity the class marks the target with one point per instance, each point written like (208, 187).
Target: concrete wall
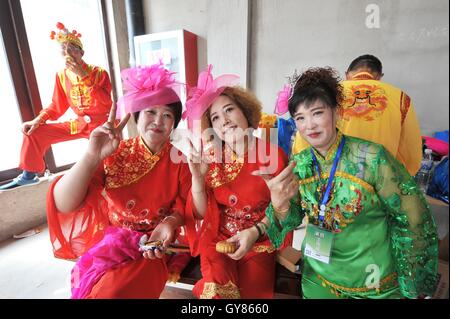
(168, 15)
(412, 42)
(22, 209)
(281, 35)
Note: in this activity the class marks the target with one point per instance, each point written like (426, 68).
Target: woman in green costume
(370, 233)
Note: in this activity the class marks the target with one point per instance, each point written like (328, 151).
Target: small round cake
(225, 247)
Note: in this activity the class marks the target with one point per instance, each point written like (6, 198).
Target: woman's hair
(317, 84)
(176, 108)
(247, 102)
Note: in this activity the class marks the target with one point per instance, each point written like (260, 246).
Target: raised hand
(282, 187)
(75, 67)
(198, 164)
(105, 139)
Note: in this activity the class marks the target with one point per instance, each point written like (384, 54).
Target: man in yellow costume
(378, 112)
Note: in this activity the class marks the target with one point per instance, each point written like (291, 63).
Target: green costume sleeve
(413, 232)
(278, 230)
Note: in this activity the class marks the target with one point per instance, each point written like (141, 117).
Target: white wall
(168, 15)
(224, 23)
(281, 35)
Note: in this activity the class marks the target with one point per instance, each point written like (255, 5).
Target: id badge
(318, 243)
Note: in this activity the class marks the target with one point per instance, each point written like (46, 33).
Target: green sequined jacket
(379, 217)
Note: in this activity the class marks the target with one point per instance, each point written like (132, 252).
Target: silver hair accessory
(292, 81)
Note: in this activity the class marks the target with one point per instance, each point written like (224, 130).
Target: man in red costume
(85, 88)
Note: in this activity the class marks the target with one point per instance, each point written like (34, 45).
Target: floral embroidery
(352, 178)
(387, 282)
(130, 204)
(228, 291)
(263, 249)
(223, 173)
(138, 221)
(132, 161)
(234, 219)
(232, 200)
(337, 217)
(405, 103)
(144, 213)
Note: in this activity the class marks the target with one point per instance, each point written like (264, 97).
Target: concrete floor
(28, 269)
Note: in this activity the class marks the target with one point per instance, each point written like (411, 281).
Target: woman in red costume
(226, 191)
(123, 192)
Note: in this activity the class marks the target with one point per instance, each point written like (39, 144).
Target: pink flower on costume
(282, 103)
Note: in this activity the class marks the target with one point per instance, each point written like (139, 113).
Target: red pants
(251, 277)
(139, 279)
(35, 145)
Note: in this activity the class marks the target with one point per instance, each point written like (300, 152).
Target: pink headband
(147, 86)
(208, 89)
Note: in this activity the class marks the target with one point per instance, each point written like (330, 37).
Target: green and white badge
(318, 243)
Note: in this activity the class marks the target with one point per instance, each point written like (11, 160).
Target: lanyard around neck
(326, 196)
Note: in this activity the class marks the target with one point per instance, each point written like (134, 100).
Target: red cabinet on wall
(177, 49)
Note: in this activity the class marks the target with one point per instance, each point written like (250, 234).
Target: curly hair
(247, 102)
(317, 84)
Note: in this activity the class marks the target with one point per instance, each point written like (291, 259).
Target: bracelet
(265, 227)
(260, 233)
(281, 210)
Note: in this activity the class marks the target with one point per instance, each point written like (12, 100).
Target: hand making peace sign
(105, 139)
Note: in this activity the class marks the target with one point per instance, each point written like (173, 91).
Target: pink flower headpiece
(208, 89)
(147, 86)
(283, 96)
